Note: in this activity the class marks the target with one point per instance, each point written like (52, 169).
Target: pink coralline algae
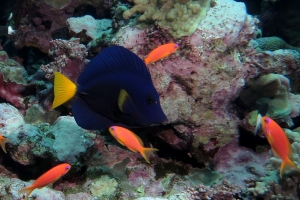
(238, 164)
(198, 83)
(69, 58)
(13, 81)
(39, 22)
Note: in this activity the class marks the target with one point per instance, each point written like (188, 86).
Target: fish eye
(67, 167)
(267, 120)
(150, 100)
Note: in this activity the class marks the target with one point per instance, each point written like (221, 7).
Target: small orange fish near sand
(279, 142)
(131, 141)
(49, 177)
(3, 140)
(161, 52)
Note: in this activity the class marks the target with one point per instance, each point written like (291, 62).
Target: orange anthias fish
(161, 52)
(49, 177)
(131, 141)
(3, 140)
(279, 142)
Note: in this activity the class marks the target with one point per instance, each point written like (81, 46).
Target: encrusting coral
(69, 58)
(272, 89)
(224, 191)
(183, 17)
(272, 44)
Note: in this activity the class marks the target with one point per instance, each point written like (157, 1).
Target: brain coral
(182, 16)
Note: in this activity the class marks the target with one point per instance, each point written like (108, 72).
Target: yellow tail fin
(27, 191)
(285, 163)
(146, 152)
(64, 89)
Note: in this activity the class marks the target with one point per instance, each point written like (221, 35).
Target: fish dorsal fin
(125, 103)
(114, 60)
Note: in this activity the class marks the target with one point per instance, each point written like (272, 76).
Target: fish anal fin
(87, 118)
(131, 149)
(64, 89)
(120, 142)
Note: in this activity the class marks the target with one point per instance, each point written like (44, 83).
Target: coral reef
(104, 187)
(39, 22)
(13, 81)
(272, 44)
(69, 58)
(196, 89)
(223, 191)
(183, 18)
(238, 164)
(87, 28)
(272, 89)
(28, 142)
(201, 87)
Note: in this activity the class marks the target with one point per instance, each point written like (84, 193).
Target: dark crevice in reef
(166, 150)
(249, 140)
(40, 166)
(26, 172)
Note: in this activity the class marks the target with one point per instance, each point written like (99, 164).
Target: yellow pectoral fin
(64, 89)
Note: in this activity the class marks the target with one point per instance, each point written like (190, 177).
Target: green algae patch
(203, 176)
(253, 118)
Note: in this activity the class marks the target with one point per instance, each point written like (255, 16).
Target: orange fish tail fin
(64, 89)
(287, 163)
(3, 144)
(27, 191)
(146, 152)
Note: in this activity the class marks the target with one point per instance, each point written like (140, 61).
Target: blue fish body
(116, 89)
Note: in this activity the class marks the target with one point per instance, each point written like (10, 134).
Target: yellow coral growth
(182, 16)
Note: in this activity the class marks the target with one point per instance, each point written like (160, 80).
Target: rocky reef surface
(210, 89)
